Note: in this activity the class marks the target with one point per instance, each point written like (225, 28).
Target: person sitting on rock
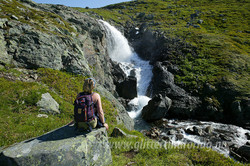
(88, 112)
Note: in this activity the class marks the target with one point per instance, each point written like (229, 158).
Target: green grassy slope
(19, 121)
(219, 29)
(18, 110)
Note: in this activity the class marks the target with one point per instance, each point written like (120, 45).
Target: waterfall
(118, 47)
(120, 51)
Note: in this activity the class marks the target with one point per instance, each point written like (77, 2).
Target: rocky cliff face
(54, 36)
(36, 36)
(63, 146)
(222, 101)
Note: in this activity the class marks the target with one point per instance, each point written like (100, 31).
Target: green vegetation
(43, 21)
(18, 114)
(218, 29)
(19, 120)
(141, 151)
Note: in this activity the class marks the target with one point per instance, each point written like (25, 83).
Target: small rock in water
(225, 138)
(197, 131)
(209, 129)
(179, 136)
(248, 143)
(165, 137)
(189, 131)
(248, 136)
(232, 146)
(132, 73)
(171, 132)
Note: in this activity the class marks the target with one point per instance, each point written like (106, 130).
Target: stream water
(221, 134)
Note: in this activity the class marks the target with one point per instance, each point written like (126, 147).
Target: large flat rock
(63, 146)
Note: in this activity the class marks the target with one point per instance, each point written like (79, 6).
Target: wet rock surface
(224, 138)
(226, 104)
(157, 108)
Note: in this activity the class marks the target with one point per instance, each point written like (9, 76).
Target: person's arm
(100, 110)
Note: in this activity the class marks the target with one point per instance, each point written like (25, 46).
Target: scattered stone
(232, 146)
(14, 17)
(196, 26)
(3, 22)
(248, 136)
(161, 123)
(200, 21)
(197, 131)
(225, 137)
(27, 18)
(42, 116)
(179, 136)
(48, 105)
(166, 138)
(35, 76)
(189, 131)
(209, 129)
(118, 133)
(171, 132)
(153, 135)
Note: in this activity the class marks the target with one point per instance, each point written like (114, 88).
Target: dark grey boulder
(127, 88)
(198, 131)
(62, 147)
(184, 105)
(209, 129)
(117, 73)
(244, 151)
(157, 108)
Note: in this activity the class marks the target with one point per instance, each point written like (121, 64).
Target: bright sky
(82, 3)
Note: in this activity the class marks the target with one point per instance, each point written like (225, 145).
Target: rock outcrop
(48, 105)
(60, 147)
(189, 93)
(127, 88)
(60, 38)
(36, 36)
(184, 105)
(157, 108)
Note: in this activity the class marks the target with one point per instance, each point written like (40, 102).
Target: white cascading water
(120, 51)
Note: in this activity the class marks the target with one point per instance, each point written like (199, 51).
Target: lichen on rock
(63, 146)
